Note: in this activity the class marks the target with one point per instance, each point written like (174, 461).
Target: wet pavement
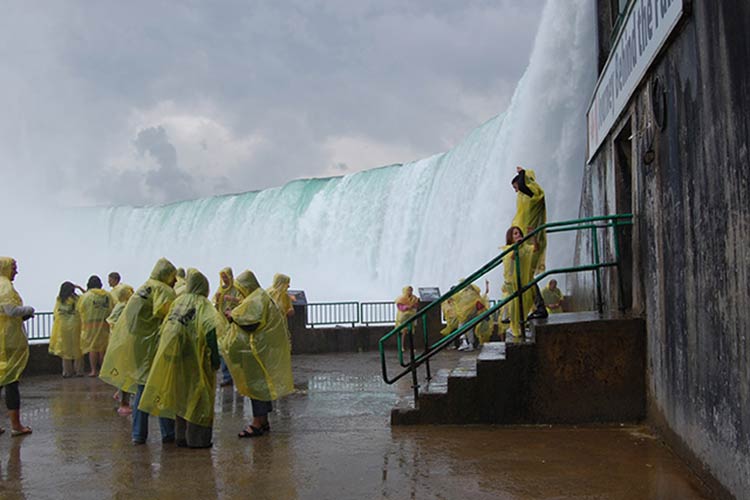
(331, 439)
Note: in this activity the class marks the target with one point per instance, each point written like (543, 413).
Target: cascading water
(364, 236)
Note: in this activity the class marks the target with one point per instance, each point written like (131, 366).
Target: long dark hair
(67, 290)
(94, 282)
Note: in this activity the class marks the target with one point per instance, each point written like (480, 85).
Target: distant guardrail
(350, 313)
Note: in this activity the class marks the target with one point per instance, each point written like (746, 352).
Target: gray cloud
(87, 87)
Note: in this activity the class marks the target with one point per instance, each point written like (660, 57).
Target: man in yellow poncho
(121, 294)
(553, 297)
(134, 342)
(94, 307)
(182, 382)
(406, 307)
(14, 348)
(225, 299)
(510, 286)
(65, 339)
(531, 213)
(256, 349)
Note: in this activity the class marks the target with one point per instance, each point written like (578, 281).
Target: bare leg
(92, 362)
(15, 422)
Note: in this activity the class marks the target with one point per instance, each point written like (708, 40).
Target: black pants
(261, 408)
(12, 396)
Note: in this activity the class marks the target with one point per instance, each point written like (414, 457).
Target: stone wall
(687, 133)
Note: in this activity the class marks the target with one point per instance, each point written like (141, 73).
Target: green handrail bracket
(415, 360)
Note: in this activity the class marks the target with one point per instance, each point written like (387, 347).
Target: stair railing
(415, 360)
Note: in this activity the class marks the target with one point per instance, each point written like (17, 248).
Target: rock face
(678, 160)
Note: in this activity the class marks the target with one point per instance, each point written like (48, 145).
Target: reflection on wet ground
(331, 439)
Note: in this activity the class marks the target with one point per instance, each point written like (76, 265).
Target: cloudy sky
(155, 101)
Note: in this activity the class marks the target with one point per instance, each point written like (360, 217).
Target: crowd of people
(162, 344)
(518, 267)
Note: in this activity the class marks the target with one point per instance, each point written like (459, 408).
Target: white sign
(644, 32)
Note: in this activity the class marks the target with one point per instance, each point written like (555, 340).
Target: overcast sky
(110, 102)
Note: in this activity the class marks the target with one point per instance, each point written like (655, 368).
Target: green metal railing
(416, 360)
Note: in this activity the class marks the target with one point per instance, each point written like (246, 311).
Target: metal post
(620, 285)
(426, 346)
(413, 365)
(597, 273)
(521, 315)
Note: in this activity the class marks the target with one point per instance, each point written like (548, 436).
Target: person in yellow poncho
(94, 307)
(553, 297)
(531, 213)
(182, 382)
(468, 303)
(226, 298)
(135, 338)
(278, 292)
(525, 259)
(65, 339)
(180, 284)
(14, 348)
(256, 349)
(406, 307)
(121, 294)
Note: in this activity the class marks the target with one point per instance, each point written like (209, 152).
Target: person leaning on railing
(14, 348)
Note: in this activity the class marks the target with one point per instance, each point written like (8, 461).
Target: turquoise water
(364, 236)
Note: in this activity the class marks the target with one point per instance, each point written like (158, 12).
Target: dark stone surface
(691, 238)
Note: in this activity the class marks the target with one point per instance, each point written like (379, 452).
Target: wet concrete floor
(331, 439)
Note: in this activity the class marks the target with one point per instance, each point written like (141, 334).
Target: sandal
(22, 432)
(251, 432)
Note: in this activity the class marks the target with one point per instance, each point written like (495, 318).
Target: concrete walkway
(331, 439)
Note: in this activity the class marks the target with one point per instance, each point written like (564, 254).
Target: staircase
(575, 368)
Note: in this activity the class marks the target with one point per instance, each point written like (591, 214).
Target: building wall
(691, 236)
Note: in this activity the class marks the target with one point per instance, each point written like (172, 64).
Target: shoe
(226, 383)
(505, 321)
(167, 440)
(21, 432)
(139, 441)
(538, 314)
(464, 346)
(251, 432)
(181, 443)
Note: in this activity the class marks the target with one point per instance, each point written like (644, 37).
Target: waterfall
(363, 236)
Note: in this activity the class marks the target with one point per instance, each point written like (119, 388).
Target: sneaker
(539, 314)
(139, 441)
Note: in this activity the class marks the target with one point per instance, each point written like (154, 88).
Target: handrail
(415, 361)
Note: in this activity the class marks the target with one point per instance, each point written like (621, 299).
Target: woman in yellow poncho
(121, 293)
(406, 307)
(256, 349)
(553, 297)
(525, 253)
(134, 341)
(65, 339)
(225, 299)
(182, 382)
(94, 307)
(278, 293)
(14, 348)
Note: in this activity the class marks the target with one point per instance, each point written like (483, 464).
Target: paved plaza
(329, 440)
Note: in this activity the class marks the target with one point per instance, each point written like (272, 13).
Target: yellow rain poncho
(468, 303)
(256, 347)
(65, 339)
(14, 348)
(552, 299)
(228, 296)
(531, 212)
(449, 315)
(135, 336)
(182, 381)
(278, 292)
(94, 307)
(406, 305)
(121, 294)
(526, 253)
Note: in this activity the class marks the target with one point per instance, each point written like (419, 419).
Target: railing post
(426, 346)
(412, 365)
(620, 285)
(597, 271)
(521, 315)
